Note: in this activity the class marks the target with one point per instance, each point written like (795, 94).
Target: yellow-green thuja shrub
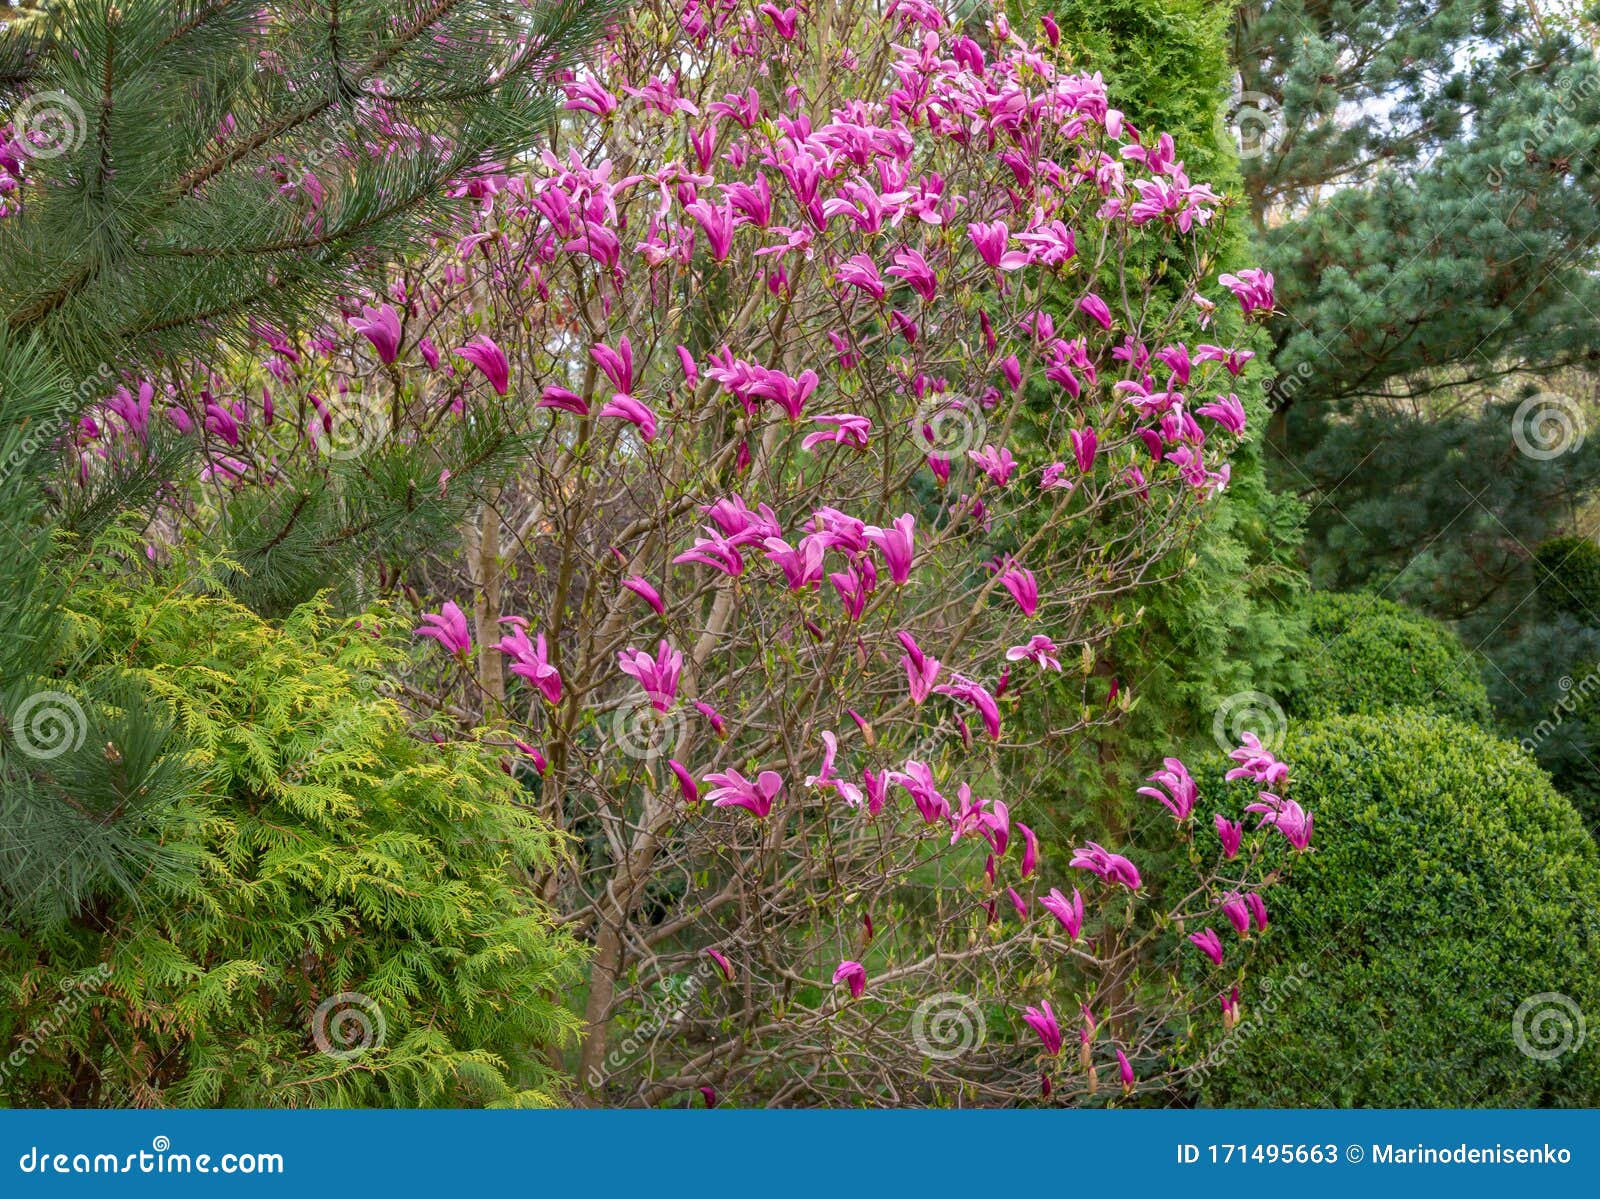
(345, 918)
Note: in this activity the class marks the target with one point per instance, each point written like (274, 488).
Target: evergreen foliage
(1450, 887)
(320, 851)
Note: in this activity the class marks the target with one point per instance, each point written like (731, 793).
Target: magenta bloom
(1181, 790)
(849, 429)
(380, 326)
(1253, 287)
(861, 272)
(718, 725)
(530, 659)
(1125, 1071)
(1043, 1021)
(960, 687)
(733, 790)
(914, 269)
(1096, 310)
(1227, 411)
(897, 544)
(635, 412)
(998, 464)
(1257, 762)
(562, 399)
(1238, 913)
(1112, 867)
(1288, 817)
(1040, 650)
(448, 627)
(1209, 944)
(489, 358)
(1084, 444)
(641, 587)
(1030, 849)
(1258, 908)
(1024, 588)
(686, 783)
(854, 974)
(1230, 833)
(1069, 912)
(723, 964)
(991, 241)
(657, 675)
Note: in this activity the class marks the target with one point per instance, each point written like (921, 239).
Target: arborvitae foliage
(193, 174)
(322, 851)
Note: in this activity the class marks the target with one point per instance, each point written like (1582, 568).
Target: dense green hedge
(1367, 654)
(1568, 570)
(1449, 883)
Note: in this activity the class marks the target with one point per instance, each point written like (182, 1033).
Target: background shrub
(1366, 654)
(1569, 577)
(1449, 884)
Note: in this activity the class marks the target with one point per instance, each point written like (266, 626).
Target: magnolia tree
(855, 360)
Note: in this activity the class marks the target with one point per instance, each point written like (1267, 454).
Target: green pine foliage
(1568, 570)
(321, 850)
(1449, 886)
(1366, 654)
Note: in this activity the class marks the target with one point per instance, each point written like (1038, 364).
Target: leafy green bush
(1450, 885)
(332, 863)
(1568, 570)
(1366, 654)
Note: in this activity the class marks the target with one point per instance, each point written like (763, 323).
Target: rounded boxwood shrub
(1568, 570)
(1450, 887)
(1367, 654)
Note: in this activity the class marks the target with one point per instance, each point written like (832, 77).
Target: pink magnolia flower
(686, 783)
(922, 671)
(1288, 817)
(1238, 913)
(1125, 1072)
(723, 964)
(849, 429)
(380, 326)
(733, 790)
(1024, 588)
(642, 587)
(1230, 833)
(917, 779)
(1054, 477)
(861, 272)
(998, 464)
(1112, 867)
(963, 688)
(1181, 790)
(530, 659)
(658, 675)
(448, 627)
(1043, 1021)
(1254, 288)
(1068, 912)
(914, 269)
(489, 358)
(991, 241)
(854, 974)
(635, 412)
(1258, 908)
(564, 400)
(1257, 762)
(897, 544)
(802, 564)
(1209, 944)
(1040, 650)
(1227, 411)
(1096, 310)
(1030, 849)
(718, 725)
(615, 364)
(1084, 444)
